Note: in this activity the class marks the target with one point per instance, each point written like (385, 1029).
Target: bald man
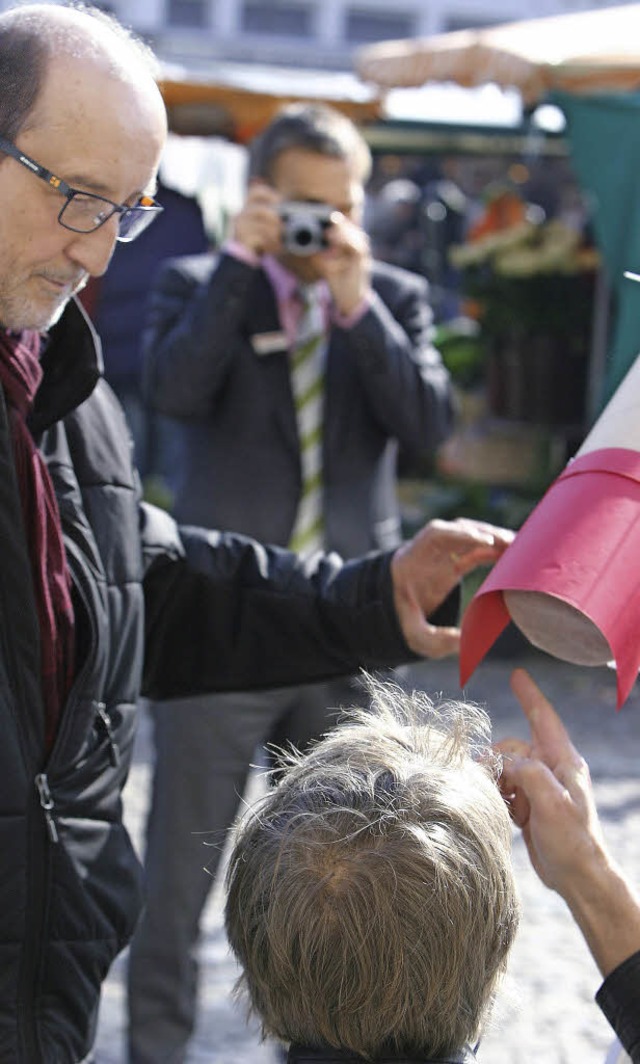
(101, 596)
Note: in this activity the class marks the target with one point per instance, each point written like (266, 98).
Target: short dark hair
(23, 59)
(371, 899)
(30, 35)
(315, 127)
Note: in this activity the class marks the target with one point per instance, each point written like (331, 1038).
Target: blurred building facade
(311, 33)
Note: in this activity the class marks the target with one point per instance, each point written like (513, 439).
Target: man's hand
(346, 264)
(258, 225)
(427, 568)
(547, 785)
(548, 788)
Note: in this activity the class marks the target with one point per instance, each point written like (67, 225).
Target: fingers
(527, 773)
(427, 569)
(542, 774)
(258, 224)
(465, 561)
(260, 192)
(428, 640)
(345, 235)
(469, 543)
(461, 544)
(346, 264)
(436, 643)
(526, 782)
(510, 748)
(548, 733)
(513, 750)
(517, 802)
(467, 533)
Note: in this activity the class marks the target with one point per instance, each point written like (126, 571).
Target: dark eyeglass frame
(147, 209)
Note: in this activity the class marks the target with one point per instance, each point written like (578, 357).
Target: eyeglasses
(83, 212)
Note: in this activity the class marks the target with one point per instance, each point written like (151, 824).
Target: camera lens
(303, 237)
(304, 227)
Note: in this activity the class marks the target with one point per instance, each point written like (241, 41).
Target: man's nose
(93, 251)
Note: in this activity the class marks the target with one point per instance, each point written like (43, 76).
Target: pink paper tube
(571, 578)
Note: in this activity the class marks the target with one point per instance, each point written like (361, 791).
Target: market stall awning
(237, 101)
(586, 52)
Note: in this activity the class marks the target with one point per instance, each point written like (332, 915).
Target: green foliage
(556, 303)
(463, 351)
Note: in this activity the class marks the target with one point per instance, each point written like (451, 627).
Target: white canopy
(590, 51)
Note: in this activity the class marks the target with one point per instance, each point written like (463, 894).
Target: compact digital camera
(304, 227)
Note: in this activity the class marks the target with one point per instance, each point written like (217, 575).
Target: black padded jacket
(167, 611)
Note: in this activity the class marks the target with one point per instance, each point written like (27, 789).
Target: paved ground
(546, 1013)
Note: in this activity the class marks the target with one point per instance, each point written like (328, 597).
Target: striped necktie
(307, 383)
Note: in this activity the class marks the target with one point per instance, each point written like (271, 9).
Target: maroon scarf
(20, 374)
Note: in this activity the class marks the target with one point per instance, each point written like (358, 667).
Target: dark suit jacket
(237, 433)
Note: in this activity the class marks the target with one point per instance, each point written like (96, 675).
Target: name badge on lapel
(268, 343)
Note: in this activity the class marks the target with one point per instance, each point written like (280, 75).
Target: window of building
(280, 19)
(468, 22)
(363, 26)
(188, 14)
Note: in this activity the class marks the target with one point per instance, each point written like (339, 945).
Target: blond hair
(371, 900)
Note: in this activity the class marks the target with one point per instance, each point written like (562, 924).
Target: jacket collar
(305, 1055)
(72, 365)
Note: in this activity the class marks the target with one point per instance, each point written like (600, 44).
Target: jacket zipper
(43, 835)
(106, 725)
(47, 804)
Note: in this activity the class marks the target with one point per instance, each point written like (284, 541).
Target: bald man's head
(31, 35)
(83, 126)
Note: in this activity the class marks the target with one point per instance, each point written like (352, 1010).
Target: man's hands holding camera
(258, 225)
(346, 266)
(316, 240)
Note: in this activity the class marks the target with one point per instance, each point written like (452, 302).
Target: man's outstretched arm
(226, 613)
(548, 787)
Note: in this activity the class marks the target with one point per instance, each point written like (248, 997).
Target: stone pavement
(546, 1013)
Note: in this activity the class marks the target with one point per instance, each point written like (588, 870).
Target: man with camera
(294, 366)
